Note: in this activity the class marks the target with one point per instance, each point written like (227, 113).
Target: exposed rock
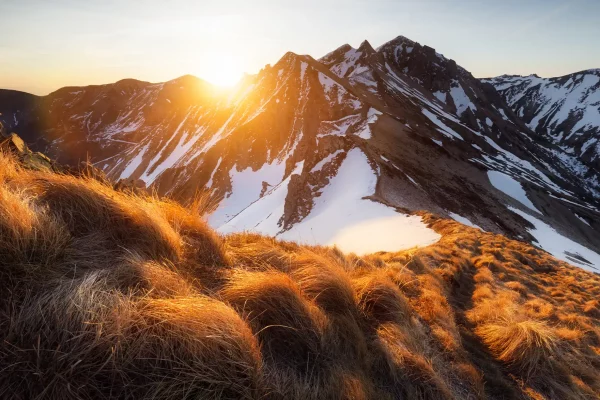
(33, 160)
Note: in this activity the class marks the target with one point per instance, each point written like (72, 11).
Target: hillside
(400, 128)
(113, 294)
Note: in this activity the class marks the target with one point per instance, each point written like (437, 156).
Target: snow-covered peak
(564, 110)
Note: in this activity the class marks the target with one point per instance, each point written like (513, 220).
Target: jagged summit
(398, 40)
(366, 47)
(291, 58)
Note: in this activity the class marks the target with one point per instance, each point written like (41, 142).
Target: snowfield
(560, 246)
(341, 216)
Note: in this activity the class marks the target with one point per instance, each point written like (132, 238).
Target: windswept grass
(116, 294)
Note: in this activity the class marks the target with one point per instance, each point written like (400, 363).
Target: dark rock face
(429, 130)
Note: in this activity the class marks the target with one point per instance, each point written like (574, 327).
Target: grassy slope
(108, 294)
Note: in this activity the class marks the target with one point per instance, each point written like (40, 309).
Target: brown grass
(118, 294)
(525, 345)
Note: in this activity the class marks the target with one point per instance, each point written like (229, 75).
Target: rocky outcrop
(29, 159)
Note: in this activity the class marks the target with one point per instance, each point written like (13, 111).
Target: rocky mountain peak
(397, 41)
(336, 54)
(289, 58)
(366, 48)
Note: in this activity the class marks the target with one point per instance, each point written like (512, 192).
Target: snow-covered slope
(341, 150)
(340, 216)
(565, 110)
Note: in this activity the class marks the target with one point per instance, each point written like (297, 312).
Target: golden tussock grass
(525, 345)
(117, 294)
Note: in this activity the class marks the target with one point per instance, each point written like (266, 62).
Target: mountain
(112, 294)
(344, 150)
(564, 110)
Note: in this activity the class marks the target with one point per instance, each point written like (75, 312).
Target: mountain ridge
(432, 136)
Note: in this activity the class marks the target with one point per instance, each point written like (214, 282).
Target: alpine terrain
(344, 149)
(373, 224)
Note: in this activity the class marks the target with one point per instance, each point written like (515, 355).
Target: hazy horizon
(60, 43)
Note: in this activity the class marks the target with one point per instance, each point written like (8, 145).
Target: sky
(48, 44)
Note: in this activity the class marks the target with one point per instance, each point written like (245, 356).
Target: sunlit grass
(113, 294)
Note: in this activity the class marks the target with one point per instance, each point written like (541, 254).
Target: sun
(225, 77)
(221, 70)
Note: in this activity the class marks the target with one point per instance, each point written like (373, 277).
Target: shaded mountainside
(400, 128)
(109, 294)
(565, 110)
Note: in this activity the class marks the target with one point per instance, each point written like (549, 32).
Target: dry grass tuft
(288, 326)
(118, 294)
(526, 345)
(380, 299)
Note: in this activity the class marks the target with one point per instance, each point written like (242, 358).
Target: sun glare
(220, 70)
(223, 78)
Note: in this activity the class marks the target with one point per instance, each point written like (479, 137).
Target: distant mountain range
(348, 148)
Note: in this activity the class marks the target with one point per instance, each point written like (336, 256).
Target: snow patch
(441, 96)
(325, 161)
(583, 220)
(303, 67)
(246, 186)
(264, 215)
(372, 117)
(511, 188)
(350, 59)
(442, 128)
(464, 221)
(341, 216)
(461, 100)
(210, 181)
(134, 163)
(176, 154)
(560, 246)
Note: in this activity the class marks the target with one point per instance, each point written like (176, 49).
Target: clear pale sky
(47, 44)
